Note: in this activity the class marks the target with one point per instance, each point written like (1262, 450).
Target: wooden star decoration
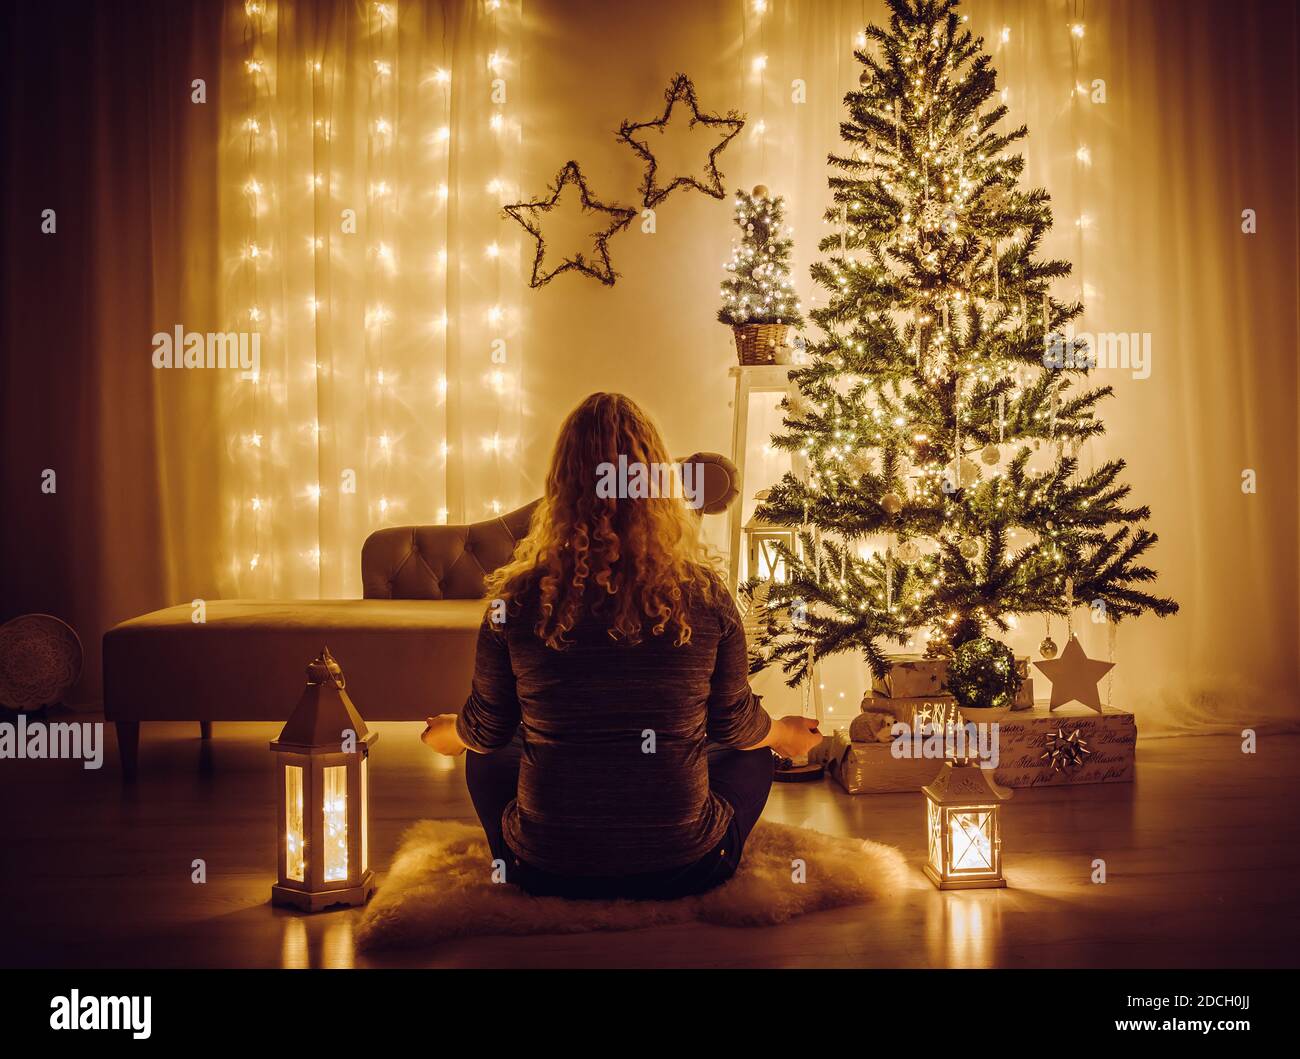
(598, 266)
(681, 90)
(1075, 676)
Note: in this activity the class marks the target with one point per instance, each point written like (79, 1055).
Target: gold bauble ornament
(892, 503)
(864, 78)
(909, 551)
(760, 191)
(990, 454)
(1048, 648)
(969, 548)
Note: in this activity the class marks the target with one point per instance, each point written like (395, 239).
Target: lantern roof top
(324, 712)
(963, 783)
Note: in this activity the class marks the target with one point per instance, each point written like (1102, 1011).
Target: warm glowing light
(760, 63)
(1077, 29)
(335, 810)
(313, 491)
(496, 121)
(964, 837)
(443, 77)
(295, 841)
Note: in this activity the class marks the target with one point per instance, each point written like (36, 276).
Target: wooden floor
(1201, 858)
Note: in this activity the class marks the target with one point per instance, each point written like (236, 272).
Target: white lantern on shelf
(965, 833)
(321, 761)
(763, 543)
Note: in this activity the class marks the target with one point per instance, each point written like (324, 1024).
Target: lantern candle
(965, 835)
(321, 777)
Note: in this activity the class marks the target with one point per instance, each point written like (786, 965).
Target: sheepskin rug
(438, 888)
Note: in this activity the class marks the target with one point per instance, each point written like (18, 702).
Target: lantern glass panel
(935, 820)
(365, 818)
(771, 566)
(295, 844)
(335, 808)
(971, 841)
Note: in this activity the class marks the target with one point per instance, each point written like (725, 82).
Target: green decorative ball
(982, 674)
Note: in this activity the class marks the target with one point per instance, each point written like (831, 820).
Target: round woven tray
(40, 661)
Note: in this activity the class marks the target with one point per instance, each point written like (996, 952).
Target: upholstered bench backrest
(452, 562)
(439, 562)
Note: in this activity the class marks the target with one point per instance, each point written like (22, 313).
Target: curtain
(408, 374)
(366, 150)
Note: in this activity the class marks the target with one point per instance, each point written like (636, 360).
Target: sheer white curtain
(378, 345)
(367, 148)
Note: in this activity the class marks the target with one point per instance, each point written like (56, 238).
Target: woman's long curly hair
(631, 563)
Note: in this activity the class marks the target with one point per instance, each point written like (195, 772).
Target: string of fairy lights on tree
(937, 319)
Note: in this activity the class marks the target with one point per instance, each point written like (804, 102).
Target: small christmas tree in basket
(758, 300)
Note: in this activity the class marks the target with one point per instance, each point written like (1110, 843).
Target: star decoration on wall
(680, 91)
(1075, 676)
(529, 214)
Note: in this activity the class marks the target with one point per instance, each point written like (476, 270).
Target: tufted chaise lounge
(407, 648)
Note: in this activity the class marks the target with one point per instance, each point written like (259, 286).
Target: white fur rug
(439, 887)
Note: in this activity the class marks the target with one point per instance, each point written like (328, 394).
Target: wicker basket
(757, 343)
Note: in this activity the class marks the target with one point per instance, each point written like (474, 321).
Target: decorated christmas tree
(936, 429)
(757, 289)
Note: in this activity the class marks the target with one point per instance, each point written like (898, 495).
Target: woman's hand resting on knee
(791, 736)
(441, 735)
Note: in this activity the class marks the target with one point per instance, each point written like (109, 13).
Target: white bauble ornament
(909, 551)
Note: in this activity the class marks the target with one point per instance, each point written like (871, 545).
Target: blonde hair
(635, 562)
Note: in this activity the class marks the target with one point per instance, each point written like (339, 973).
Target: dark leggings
(742, 778)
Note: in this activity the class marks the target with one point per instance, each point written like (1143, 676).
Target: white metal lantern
(323, 820)
(965, 834)
(763, 543)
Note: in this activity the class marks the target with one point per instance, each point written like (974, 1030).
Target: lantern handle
(326, 667)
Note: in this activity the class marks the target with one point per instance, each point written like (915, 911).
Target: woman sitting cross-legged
(617, 749)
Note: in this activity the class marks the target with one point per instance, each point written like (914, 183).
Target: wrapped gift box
(915, 676)
(912, 676)
(869, 768)
(1022, 740)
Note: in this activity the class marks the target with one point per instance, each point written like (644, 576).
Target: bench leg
(128, 747)
(205, 729)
